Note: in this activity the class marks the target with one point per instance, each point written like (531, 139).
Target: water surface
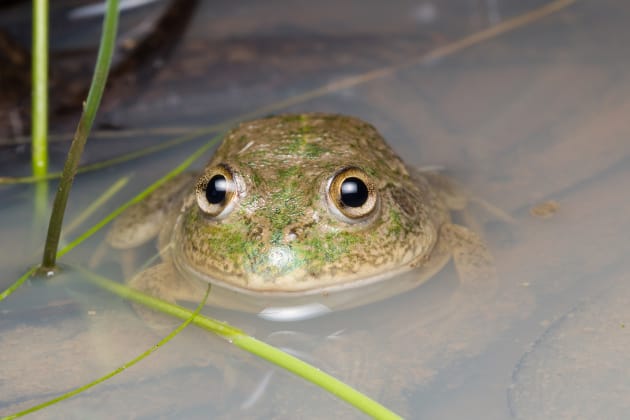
(534, 115)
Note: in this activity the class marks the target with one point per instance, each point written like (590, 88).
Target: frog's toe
(473, 261)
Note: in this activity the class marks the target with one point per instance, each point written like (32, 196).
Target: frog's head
(302, 205)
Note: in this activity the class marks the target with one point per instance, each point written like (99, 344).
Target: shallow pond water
(533, 120)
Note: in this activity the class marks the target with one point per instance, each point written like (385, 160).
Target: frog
(298, 215)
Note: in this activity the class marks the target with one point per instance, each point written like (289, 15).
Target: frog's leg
(142, 222)
(473, 261)
(161, 281)
(456, 199)
(449, 191)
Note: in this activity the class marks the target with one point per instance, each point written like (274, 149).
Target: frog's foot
(162, 282)
(473, 261)
(457, 199)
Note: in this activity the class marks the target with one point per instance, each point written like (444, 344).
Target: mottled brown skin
(283, 237)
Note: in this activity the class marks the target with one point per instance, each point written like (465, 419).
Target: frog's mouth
(293, 304)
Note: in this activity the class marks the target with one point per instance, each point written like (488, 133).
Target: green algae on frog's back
(300, 207)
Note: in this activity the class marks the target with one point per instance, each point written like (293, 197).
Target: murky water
(534, 115)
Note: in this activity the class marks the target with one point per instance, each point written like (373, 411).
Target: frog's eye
(216, 192)
(351, 195)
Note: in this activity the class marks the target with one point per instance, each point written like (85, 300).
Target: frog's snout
(281, 257)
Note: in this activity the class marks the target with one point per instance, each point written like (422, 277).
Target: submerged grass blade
(16, 285)
(179, 169)
(314, 375)
(97, 204)
(39, 110)
(95, 228)
(39, 95)
(254, 346)
(103, 61)
(119, 159)
(40, 210)
(118, 370)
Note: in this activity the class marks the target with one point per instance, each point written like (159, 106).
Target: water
(537, 114)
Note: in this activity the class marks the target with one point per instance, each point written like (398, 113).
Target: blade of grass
(40, 211)
(95, 205)
(39, 95)
(239, 339)
(254, 346)
(95, 228)
(179, 169)
(85, 214)
(16, 284)
(119, 159)
(39, 110)
(118, 370)
(101, 70)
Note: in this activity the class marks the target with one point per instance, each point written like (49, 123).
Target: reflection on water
(536, 115)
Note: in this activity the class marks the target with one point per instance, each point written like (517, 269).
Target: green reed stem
(251, 345)
(99, 78)
(39, 83)
(39, 110)
(163, 145)
(179, 169)
(98, 226)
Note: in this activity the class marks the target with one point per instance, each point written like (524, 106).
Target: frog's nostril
(281, 257)
(291, 236)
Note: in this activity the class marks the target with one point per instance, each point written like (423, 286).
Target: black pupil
(354, 192)
(216, 189)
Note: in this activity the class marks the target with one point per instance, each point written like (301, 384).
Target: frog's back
(330, 140)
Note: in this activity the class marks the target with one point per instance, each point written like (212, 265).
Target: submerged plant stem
(251, 345)
(101, 70)
(116, 160)
(39, 93)
(97, 204)
(127, 365)
(98, 226)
